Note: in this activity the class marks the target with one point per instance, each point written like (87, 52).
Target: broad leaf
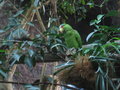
(100, 16)
(28, 61)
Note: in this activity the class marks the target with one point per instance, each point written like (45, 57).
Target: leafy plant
(103, 45)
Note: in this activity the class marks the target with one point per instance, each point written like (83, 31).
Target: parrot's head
(64, 28)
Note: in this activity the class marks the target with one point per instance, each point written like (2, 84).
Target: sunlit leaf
(92, 22)
(100, 16)
(36, 2)
(64, 65)
(16, 56)
(44, 9)
(31, 52)
(90, 35)
(1, 31)
(58, 71)
(90, 4)
(57, 45)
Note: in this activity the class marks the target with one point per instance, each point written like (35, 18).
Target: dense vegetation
(32, 33)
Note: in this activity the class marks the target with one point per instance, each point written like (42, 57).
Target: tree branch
(21, 83)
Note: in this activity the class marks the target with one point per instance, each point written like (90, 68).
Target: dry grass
(82, 74)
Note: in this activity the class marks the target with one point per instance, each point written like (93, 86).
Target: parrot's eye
(62, 26)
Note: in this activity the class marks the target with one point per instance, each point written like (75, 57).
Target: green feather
(71, 36)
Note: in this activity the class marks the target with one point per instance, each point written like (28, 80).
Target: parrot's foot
(71, 51)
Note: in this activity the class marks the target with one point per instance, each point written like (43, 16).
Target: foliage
(21, 48)
(102, 48)
(78, 7)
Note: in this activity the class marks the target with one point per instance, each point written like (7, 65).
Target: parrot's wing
(78, 38)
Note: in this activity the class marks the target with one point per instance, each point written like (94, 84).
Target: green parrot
(71, 36)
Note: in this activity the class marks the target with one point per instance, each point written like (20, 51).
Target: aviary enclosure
(34, 54)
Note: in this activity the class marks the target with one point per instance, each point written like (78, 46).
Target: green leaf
(111, 83)
(16, 56)
(116, 38)
(43, 8)
(2, 4)
(2, 31)
(104, 50)
(1, 61)
(30, 43)
(18, 13)
(2, 50)
(90, 4)
(92, 22)
(56, 45)
(31, 52)
(30, 87)
(28, 61)
(87, 50)
(90, 35)
(17, 34)
(98, 21)
(97, 82)
(103, 83)
(58, 71)
(36, 2)
(3, 73)
(114, 45)
(99, 17)
(64, 65)
(83, 2)
(31, 24)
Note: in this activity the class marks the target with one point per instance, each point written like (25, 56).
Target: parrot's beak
(61, 30)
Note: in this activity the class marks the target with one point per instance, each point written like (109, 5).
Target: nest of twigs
(82, 74)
